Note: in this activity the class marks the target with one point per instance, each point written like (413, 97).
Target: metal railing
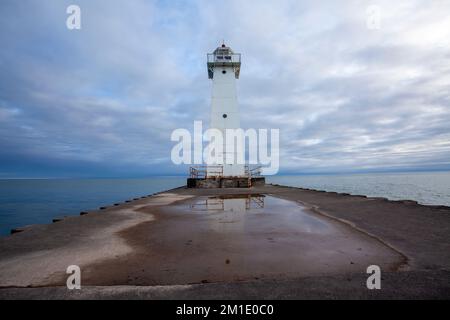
(220, 59)
(253, 171)
(202, 172)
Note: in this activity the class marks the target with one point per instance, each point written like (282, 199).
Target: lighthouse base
(225, 182)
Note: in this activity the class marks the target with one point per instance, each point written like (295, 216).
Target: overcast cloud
(102, 101)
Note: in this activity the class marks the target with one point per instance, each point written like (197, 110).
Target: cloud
(103, 101)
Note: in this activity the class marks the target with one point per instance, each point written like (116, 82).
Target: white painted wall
(224, 102)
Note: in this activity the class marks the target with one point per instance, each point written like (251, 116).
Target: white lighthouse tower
(223, 68)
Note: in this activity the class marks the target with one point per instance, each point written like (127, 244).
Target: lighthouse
(226, 167)
(223, 69)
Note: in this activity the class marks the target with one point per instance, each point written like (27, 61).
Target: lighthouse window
(224, 71)
(224, 115)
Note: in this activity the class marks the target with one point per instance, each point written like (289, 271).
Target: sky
(102, 101)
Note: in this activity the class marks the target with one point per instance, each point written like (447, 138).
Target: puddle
(236, 212)
(239, 238)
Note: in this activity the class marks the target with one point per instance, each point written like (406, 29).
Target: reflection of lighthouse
(223, 68)
(233, 210)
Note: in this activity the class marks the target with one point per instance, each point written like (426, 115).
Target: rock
(17, 230)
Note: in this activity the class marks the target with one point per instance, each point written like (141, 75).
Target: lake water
(425, 188)
(24, 202)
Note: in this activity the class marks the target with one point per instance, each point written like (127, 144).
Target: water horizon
(25, 201)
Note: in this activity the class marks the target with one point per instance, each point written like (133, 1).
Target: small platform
(210, 177)
(225, 182)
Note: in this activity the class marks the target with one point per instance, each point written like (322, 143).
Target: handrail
(202, 172)
(233, 58)
(253, 171)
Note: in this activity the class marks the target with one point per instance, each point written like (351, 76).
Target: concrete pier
(264, 242)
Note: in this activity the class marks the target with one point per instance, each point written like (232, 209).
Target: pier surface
(265, 242)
